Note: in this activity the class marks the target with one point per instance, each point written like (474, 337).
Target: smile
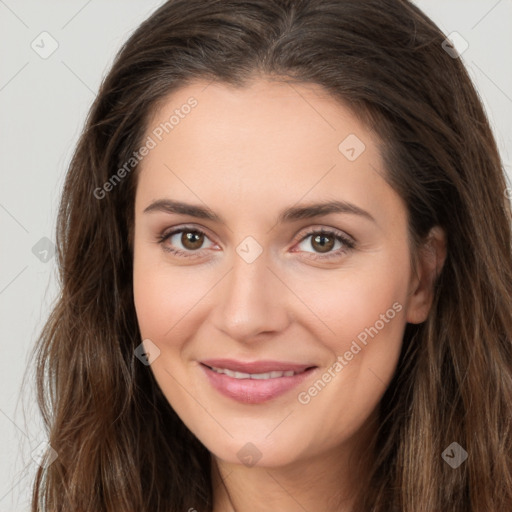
(256, 386)
(242, 375)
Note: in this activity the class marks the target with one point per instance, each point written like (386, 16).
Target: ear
(431, 258)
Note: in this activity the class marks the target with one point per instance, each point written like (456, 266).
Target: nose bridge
(251, 299)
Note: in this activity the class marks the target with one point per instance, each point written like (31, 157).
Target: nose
(252, 301)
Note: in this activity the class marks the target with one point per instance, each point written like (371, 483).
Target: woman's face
(242, 182)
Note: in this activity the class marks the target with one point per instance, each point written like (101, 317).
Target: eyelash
(348, 244)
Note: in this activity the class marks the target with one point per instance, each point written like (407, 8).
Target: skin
(247, 154)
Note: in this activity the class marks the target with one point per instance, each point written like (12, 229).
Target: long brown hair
(120, 445)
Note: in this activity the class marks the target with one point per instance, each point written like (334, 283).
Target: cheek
(164, 303)
(365, 314)
(371, 305)
(153, 303)
(162, 296)
(358, 300)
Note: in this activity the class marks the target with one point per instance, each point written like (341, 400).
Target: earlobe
(431, 258)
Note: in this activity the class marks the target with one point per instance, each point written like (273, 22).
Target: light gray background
(43, 103)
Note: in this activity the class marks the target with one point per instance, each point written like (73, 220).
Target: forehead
(271, 112)
(269, 142)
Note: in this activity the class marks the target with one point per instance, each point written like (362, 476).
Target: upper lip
(263, 366)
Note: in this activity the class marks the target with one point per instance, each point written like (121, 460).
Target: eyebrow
(290, 214)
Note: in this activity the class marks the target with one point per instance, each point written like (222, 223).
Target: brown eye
(192, 240)
(322, 242)
(185, 242)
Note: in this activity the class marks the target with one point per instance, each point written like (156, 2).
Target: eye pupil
(320, 239)
(192, 239)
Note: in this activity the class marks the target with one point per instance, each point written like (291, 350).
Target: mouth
(262, 376)
(255, 382)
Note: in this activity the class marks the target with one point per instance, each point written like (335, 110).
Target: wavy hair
(120, 445)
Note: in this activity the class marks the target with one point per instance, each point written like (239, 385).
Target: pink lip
(255, 391)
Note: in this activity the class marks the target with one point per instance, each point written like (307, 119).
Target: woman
(284, 246)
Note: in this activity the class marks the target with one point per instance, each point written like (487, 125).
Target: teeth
(263, 376)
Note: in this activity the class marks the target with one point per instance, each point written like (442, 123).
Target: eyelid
(178, 229)
(327, 230)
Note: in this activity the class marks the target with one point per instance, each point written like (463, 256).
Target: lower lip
(253, 391)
